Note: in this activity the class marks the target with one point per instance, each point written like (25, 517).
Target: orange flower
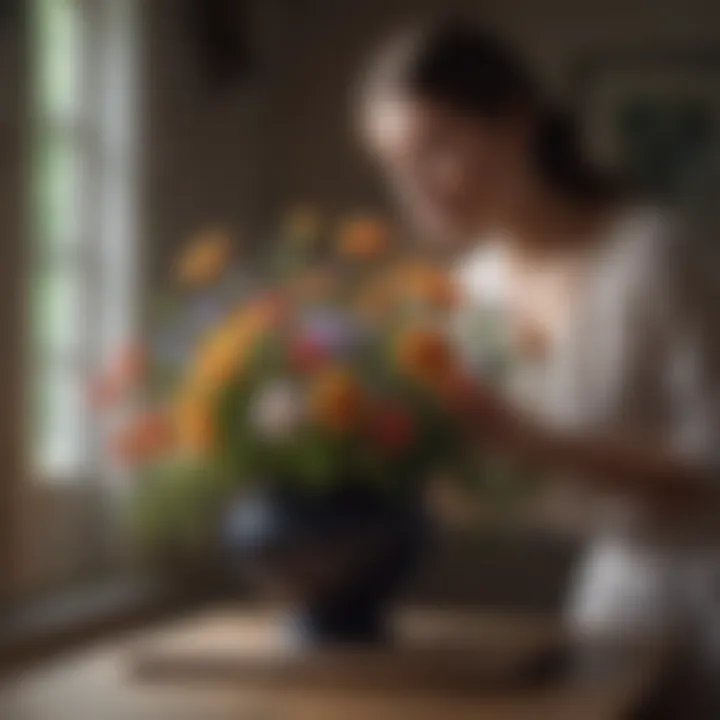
(313, 285)
(148, 436)
(337, 400)
(430, 285)
(391, 426)
(205, 259)
(424, 354)
(265, 312)
(364, 238)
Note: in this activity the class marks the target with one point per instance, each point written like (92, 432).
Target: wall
(12, 125)
(557, 35)
(286, 134)
(211, 155)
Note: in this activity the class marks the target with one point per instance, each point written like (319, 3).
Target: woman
(612, 304)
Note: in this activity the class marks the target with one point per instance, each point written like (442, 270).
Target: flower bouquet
(294, 426)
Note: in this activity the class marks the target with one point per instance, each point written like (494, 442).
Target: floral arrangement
(329, 363)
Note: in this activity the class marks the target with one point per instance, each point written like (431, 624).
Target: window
(82, 216)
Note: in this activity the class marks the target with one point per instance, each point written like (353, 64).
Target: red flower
(124, 374)
(307, 355)
(275, 304)
(391, 426)
(146, 437)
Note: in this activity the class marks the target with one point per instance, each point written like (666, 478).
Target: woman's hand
(491, 416)
(616, 464)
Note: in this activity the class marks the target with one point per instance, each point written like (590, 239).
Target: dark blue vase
(341, 555)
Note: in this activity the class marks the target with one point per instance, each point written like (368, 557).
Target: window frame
(69, 528)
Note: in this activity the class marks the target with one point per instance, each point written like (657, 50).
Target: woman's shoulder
(665, 258)
(641, 231)
(659, 236)
(648, 242)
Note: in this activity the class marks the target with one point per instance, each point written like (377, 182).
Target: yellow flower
(337, 400)
(220, 358)
(229, 347)
(304, 224)
(195, 423)
(205, 258)
(364, 238)
(223, 355)
(424, 354)
(430, 285)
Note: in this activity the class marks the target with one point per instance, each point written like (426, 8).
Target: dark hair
(474, 72)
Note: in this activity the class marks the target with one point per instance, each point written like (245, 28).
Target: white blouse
(640, 356)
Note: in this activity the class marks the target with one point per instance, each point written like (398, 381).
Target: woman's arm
(615, 464)
(666, 311)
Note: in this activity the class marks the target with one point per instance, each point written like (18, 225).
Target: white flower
(277, 409)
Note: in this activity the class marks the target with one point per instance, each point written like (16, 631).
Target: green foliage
(179, 500)
(176, 503)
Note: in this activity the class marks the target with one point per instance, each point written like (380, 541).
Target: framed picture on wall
(655, 119)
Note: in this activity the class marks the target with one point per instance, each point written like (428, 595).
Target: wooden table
(457, 665)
